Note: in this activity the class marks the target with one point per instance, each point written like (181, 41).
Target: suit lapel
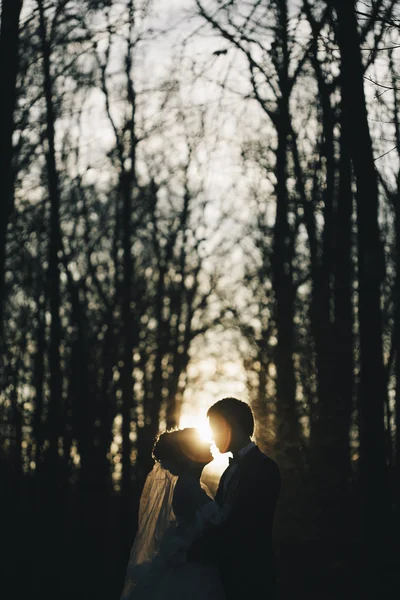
(241, 467)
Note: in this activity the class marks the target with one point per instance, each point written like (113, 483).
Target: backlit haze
(209, 380)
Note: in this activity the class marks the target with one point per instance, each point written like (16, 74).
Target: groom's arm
(252, 503)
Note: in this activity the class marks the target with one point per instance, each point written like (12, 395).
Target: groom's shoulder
(265, 462)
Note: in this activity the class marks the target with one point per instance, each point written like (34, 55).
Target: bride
(175, 507)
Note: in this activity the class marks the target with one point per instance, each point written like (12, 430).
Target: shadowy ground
(84, 558)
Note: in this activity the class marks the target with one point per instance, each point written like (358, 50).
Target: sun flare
(220, 461)
(201, 424)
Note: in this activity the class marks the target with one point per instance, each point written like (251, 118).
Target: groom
(241, 545)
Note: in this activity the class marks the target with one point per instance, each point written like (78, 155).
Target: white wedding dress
(173, 513)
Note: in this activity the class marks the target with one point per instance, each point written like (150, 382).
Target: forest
(199, 198)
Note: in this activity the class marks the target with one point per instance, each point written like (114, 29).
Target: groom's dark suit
(241, 546)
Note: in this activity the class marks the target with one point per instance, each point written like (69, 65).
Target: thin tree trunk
(397, 355)
(52, 505)
(39, 370)
(127, 371)
(262, 407)
(9, 42)
(322, 272)
(128, 189)
(343, 336)
(330, 428)
(180, 366)
(342, 382)
(174, 400)
(289, 438)
(395, 196)
(157, 380)
(54, 412)
(107, 406)
(397, 337)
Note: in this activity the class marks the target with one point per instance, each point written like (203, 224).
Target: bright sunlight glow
(201, 425)
(214, 470)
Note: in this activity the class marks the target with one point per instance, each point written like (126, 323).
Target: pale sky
(216, 369)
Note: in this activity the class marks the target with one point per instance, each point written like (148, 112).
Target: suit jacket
(241, 546)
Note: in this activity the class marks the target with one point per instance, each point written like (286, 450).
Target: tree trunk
(127, 371)
(52, 505)
(288, 430)
(262, 407)
(53, 282)
(322, 274)
(396, 339)
(397, 358)
(153, 401)
(342, 340)
(107, 405)
(395, 196)
(343, 337)
(9, 42)
(371, 270)
(128, 189)
(39, 371)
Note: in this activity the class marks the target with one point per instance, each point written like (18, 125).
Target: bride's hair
(180, 447)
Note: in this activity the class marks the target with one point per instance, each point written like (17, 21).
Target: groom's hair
(235, 412)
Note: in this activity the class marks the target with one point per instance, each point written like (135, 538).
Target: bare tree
(9, 42)
(371, 272)
(272, 86)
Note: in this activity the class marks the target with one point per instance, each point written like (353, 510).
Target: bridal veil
(155, 516)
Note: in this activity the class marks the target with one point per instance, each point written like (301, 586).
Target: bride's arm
(192, 508)
(189, 499)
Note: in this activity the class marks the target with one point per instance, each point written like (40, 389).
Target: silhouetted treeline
(119, 261)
